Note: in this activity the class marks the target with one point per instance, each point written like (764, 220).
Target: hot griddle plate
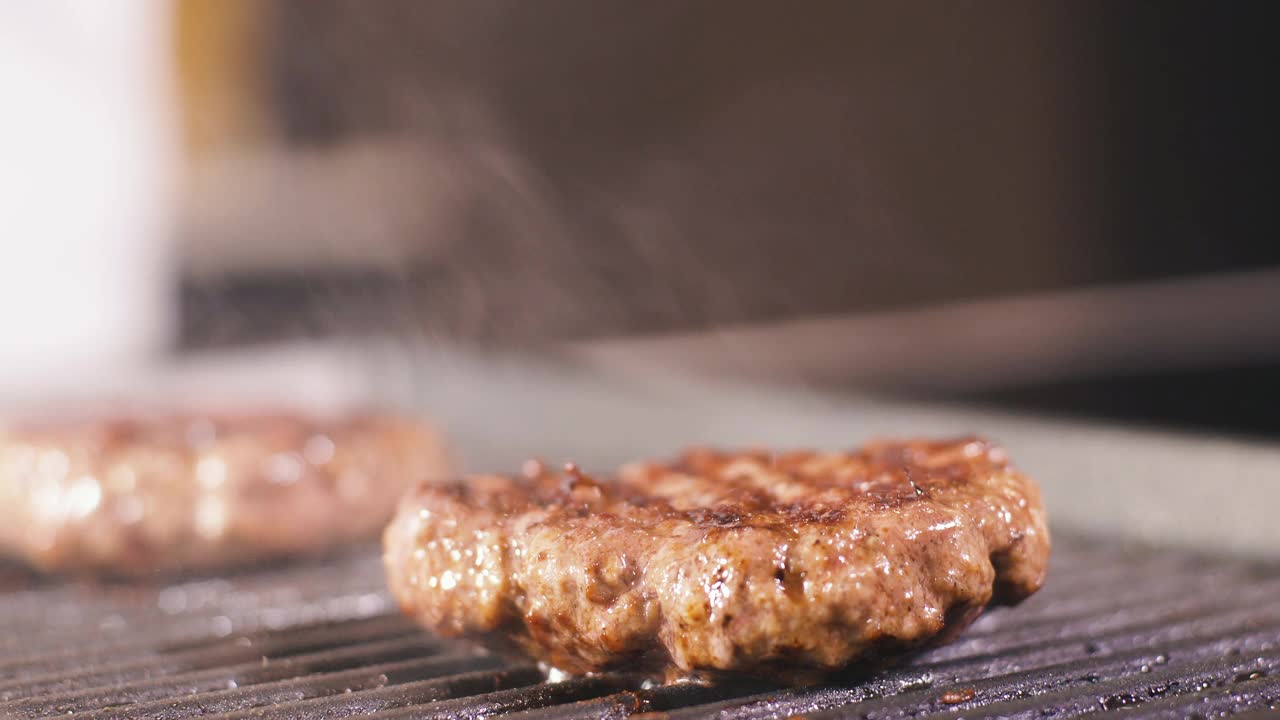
(1132, 633)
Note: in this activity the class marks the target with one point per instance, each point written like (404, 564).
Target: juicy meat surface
(129, 496)
(790, 564)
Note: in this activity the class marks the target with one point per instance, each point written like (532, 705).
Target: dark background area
(1188, 137)
(1188, 185)
(685, 166)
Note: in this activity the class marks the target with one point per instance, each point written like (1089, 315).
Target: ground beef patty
(788, 564)
(134, 495)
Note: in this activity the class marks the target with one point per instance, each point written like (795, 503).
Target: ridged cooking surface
(1131, 634)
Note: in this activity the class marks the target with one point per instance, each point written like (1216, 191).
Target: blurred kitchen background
(1065, 208)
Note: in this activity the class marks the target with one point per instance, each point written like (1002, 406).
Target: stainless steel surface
(1191, 490)
(1165, 488)
(1145, 327)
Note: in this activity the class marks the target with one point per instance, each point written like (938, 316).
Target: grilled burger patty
(789, 564)
(133, 495)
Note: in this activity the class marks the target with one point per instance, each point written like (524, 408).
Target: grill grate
(1115, 632)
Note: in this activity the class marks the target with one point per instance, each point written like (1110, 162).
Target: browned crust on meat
(134, 495)
(794, 563)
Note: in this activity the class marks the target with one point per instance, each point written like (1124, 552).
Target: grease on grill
(955, 697)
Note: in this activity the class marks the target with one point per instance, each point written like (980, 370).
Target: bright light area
(85, 185)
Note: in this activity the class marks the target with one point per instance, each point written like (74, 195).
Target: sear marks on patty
(128, 496)
(790, 564)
